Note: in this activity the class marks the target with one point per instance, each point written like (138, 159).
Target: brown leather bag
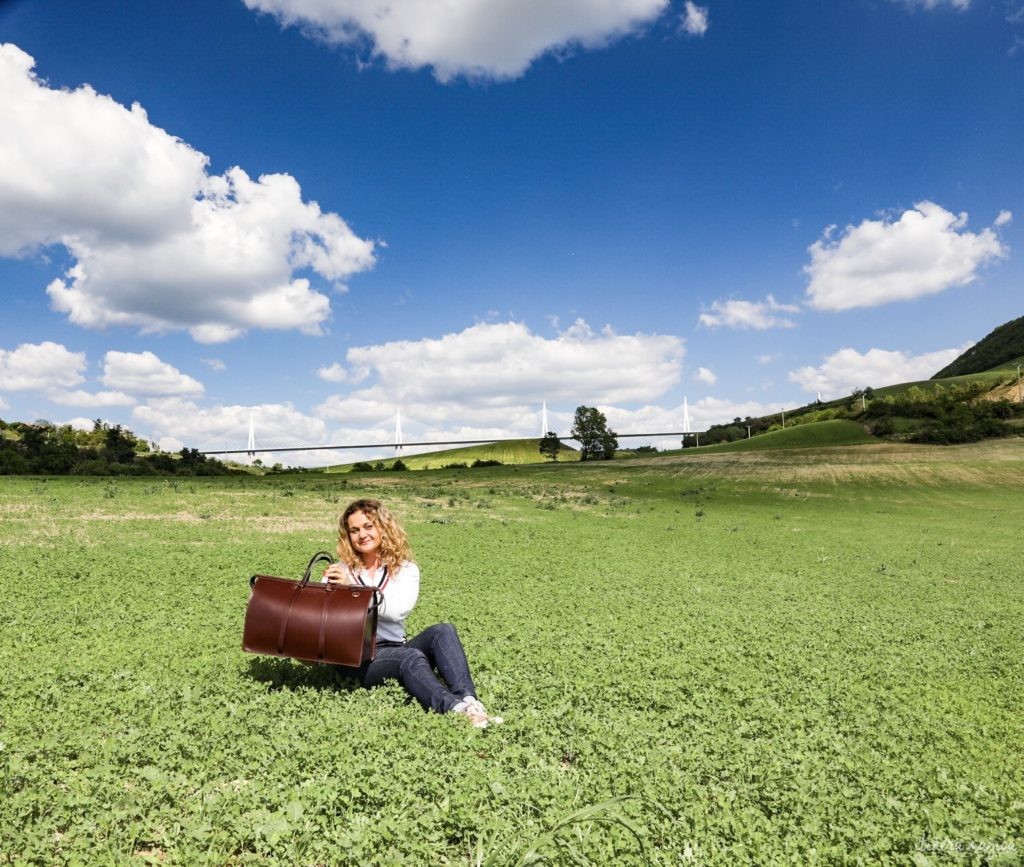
(334, 623)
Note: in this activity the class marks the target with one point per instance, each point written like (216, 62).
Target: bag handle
(318, 557)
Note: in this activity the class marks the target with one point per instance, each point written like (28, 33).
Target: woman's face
(363, 535)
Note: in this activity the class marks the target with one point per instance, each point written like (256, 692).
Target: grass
(806, 656)
(820, 434)
(523, 451)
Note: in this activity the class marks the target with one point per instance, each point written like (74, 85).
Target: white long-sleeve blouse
(399, 597)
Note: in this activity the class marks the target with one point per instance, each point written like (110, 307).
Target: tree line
(43, 448)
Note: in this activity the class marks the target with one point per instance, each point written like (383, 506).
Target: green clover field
(810, 656)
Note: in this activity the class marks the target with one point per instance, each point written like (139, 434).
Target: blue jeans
(412, 665)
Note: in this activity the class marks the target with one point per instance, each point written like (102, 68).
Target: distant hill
(525, 451)
(1004, 344)
(819, 434)
(960, 408)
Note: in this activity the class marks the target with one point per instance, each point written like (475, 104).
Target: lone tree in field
(550, 445)
(590, 430)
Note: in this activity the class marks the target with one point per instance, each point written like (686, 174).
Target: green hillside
(989, 378)
(820, 434)
(1004, 344)
(525, 451)
(952, 409)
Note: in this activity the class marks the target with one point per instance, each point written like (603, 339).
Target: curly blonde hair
(394, 545)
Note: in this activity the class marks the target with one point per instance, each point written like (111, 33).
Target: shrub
(953, 434)
(884, 427)
(11, 463)
(1005, 410)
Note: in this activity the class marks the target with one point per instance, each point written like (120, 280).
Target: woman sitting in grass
(373, 550)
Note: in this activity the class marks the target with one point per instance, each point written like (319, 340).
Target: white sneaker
(478, 705)
(474, 711)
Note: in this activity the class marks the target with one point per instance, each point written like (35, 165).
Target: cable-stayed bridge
(398, 434)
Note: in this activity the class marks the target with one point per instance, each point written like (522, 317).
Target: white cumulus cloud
(482, 38)
(715, 410)
(928, 249)
(757, 315)
(705, 375)
(177, 422)
(53, 370)
(82, 398)
(75, 163)
(144, 373)
(158, 243)
(43, 366)
(959, 5)
(1004, 218)
(695, 19)
(339, 373)
(846, 370)
(645, 419)
(333, 373)
(491, 371)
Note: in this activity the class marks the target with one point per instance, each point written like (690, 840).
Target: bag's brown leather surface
(317, 622)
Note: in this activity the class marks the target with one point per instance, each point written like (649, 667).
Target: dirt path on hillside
(1010, 391)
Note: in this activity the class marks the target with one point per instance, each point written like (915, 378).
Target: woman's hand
(337, 573)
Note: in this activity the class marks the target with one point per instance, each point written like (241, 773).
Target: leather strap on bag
(378, 592)
(316, 558)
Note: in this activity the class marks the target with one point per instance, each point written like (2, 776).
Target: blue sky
(318, 213)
